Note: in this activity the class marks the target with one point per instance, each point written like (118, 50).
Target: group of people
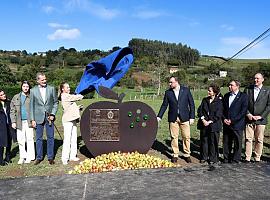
(235, 114)
(35, 108)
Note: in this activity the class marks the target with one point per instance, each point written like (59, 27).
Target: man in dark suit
(43, 107)
(234, 111)
(181, 114)
(258, 110)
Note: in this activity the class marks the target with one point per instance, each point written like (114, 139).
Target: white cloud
(93, 8)
(56, 25)
(147, 14)
(227, 27)
(105, 13)
(65, 34)
(48, 9)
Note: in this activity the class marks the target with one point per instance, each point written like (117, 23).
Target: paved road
(230, 181)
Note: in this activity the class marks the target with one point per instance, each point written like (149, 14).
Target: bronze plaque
(104, 125)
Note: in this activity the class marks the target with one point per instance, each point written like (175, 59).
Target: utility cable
(247, 46)
(254, 44)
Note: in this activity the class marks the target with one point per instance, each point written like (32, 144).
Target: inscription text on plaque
(104, 125)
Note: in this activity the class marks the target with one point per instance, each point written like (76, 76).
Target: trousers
(26, 135)
(69, 151)
(185, 133)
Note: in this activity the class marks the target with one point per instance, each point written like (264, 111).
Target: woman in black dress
(5, 129)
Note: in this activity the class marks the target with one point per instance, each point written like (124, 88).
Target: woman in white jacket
(71, 113)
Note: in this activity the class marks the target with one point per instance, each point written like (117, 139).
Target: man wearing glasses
(180, 116)
(235, 105)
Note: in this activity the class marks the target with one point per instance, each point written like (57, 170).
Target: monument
(118, 126)
(108, 126)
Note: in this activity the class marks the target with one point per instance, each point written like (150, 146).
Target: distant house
(43, 54)
(174, 69)
(223, 74)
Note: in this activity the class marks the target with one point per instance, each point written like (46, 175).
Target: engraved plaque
(104, 125)
(110, 127)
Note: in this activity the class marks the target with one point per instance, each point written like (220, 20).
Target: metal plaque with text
(104, 125)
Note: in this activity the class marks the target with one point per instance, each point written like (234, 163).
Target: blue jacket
(185, 104)
(236, 112)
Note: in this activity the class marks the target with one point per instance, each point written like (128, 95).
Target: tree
(6, 76)
(24, 53)
(161, 67)
(28, 72)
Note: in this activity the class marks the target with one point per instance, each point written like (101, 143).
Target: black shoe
(225, 161)
(211, 168)
(203, 161)
(51, 162)
(187, 159)
(174, 160)
(3, 163)
(246, 161)
(37, 162)
(7, 160)
(235, 162)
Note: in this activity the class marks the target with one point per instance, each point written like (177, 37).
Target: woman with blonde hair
(71, 114)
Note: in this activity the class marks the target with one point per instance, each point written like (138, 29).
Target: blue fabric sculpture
(105, 72)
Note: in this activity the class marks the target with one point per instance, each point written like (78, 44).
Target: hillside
(154, 62)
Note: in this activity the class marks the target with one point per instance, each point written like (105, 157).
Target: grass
(44, 169)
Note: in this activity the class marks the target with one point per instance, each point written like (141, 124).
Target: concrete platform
(227, 181)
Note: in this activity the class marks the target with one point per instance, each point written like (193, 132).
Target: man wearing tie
(235, 105)
(43, 107)
(258, 110)
(181, 114)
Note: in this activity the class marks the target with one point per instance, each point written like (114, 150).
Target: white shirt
(256, 92)
(176, 91)
(5, 109)
(232, 97)
(43, 92)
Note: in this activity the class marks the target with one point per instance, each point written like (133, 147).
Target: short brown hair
(175, 78)
(215, 88)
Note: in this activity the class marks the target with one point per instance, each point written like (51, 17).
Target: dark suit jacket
(5, 124)
(211, 111)
(259, 107)
(185, 104)
(236, 112)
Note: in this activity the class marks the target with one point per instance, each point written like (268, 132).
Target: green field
(163, 138)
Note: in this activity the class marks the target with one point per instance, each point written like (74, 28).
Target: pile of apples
(119, 161)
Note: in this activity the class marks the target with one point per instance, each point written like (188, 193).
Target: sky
(213, 27)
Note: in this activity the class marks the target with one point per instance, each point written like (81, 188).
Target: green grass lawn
(44, 169)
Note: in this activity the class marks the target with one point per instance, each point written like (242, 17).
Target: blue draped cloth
(105, 72)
